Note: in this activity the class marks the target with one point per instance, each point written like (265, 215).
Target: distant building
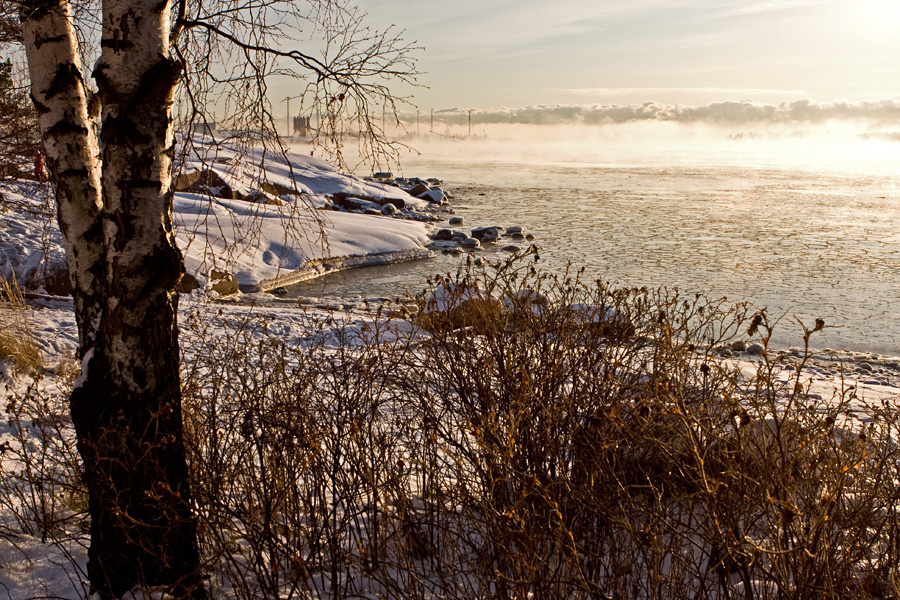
(206, 128)
(302, 127)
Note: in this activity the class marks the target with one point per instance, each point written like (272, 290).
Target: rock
(418, 189)
(395, 202)
(755, 349)
(486, 234)
(471, 243)
(187, 284)
(185, 180)
(276, 189)
(865, 367)
(434, 195)
(443, 235)
(279, 291)
(511, 249)
(459, 237)
(223, 283)
(345, 200)
(388, 209)
(529, 237)
(383, 175)
(738, 346)
(514, 229)
(456, 221)
(517, 236)
(261, 197)
(353, 203)
(372, 211)
(205, 182)
(434, 181)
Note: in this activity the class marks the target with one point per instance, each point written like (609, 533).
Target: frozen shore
(260, 220)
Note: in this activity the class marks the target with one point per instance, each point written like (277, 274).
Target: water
(804, 232)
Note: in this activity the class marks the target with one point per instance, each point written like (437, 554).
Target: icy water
(805, 234)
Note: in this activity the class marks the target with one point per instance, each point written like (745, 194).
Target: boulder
(514, 229)
(276, 189)
(486, 234)
(187, 284)
(388, 209)
(353, 203)
(184, 180)
(434, 195)
(443, 235)
(204, 181)
(222, 283)
(396, 202)
(344, 200)
(456, 221)
(261, 197)
(418, 189)
(471, 243)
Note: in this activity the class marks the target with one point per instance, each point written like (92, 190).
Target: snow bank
(264, 240)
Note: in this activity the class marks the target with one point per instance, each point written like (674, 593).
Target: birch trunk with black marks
(115, 209)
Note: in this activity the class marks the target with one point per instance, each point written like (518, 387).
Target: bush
(559, 438)
(20, 138)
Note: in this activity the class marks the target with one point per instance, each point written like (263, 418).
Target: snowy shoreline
(262, 228)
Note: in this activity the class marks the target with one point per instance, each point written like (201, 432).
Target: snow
(263, 245)
(266, 246)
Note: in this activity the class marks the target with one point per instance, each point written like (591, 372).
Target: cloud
(717, 113)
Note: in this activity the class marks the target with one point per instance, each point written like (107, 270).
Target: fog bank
(732, 112)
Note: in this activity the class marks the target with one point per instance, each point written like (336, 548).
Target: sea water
(802, 230)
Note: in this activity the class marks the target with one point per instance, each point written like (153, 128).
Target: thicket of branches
(20, 138)
(540, 437)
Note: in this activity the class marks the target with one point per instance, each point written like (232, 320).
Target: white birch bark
(61, 99)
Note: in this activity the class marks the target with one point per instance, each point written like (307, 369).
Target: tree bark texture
(115, 212)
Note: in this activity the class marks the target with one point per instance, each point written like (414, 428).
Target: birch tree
(109, 149)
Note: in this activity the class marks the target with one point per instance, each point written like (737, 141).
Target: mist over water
(801, 221)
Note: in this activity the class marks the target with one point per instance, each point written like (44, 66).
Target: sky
(484, 54)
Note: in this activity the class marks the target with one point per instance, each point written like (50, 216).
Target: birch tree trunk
(115, 209)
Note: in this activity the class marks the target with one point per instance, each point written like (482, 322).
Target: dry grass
(16, 339)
